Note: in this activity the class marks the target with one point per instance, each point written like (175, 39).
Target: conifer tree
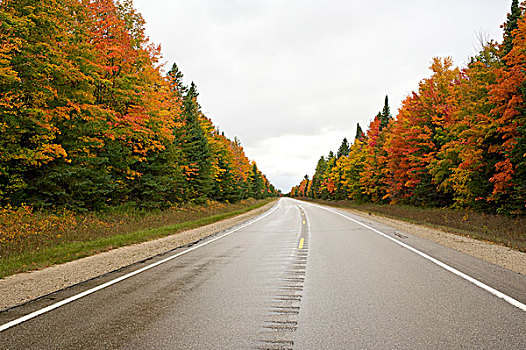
(344, 148)
(175, 76)
(195, 149)
(359, 132)
(385, 114)
(509, 26)
(306, 178)
(256, 185)
(317, 178)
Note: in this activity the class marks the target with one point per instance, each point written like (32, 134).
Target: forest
(91, 119)
(459, 141)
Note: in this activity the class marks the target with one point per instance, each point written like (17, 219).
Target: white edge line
(476, 282)
(133, 273)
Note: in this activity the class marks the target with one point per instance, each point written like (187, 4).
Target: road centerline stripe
(476, 282)
(300, 245)
(56, 305)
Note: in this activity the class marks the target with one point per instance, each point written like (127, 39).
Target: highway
(300, 276)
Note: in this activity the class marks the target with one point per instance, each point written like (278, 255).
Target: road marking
(476, 282)
(300, 246)
(303, 222)
(122, 278)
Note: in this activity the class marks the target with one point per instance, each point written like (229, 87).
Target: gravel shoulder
(496, 254)
(23, 287)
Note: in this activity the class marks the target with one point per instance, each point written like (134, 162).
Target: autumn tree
(464, 164)
(418, 135)
(509, 96)
(89, 120)
(373, 175)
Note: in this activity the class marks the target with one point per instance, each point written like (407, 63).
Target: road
(299, 277)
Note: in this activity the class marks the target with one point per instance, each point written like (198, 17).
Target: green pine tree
(344, 149)
(256, 185)
(306, 177)
(195, 149)
(509, 26)
(385, 114)
(176, 78)
(317, 178)
(359, 132)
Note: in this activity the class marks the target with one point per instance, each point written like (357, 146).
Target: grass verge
(499, 229)
(95, 234)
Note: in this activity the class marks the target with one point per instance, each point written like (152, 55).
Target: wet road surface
(299, 277)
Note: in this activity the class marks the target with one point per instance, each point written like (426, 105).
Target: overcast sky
(291, 78)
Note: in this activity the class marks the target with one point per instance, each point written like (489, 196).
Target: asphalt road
(301, 277)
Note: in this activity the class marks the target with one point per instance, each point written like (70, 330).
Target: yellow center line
(303, 222)
(300, 246)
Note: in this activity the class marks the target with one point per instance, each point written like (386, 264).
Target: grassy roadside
(92, 235)
(499, 229)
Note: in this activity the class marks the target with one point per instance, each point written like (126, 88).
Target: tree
(306, 189)
(418, 134)
(385, 115)
(510, 26)
(464, 163)
(175, 76)
(344, 148)
(373, 176)
(88, 120)
(195, 149)
(359, 132)
(40, 87)
(509, 118)
(353, 168)
(317, 178)
(256, 184)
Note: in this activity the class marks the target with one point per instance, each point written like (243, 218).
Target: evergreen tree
(195, 149)
(344, 148)
(509, 26)
(317, 179)
(385, 114)
(175, 76)
(256, 185)
(359, 133)
(224, 187)
(305, 190)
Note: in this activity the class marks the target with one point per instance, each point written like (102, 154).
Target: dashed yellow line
(303, 222)
(300, 246)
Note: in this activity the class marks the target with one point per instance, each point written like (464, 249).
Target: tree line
(89, 119)
(458, 141)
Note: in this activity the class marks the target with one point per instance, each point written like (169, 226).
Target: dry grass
(500, 229)
(34, 239)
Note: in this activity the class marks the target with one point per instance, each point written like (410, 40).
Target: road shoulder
(493, 253)
(23, 287)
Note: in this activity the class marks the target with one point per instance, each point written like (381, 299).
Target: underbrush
(501, 229)
(32, 239)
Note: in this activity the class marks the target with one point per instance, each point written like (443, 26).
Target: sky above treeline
(291, 78)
